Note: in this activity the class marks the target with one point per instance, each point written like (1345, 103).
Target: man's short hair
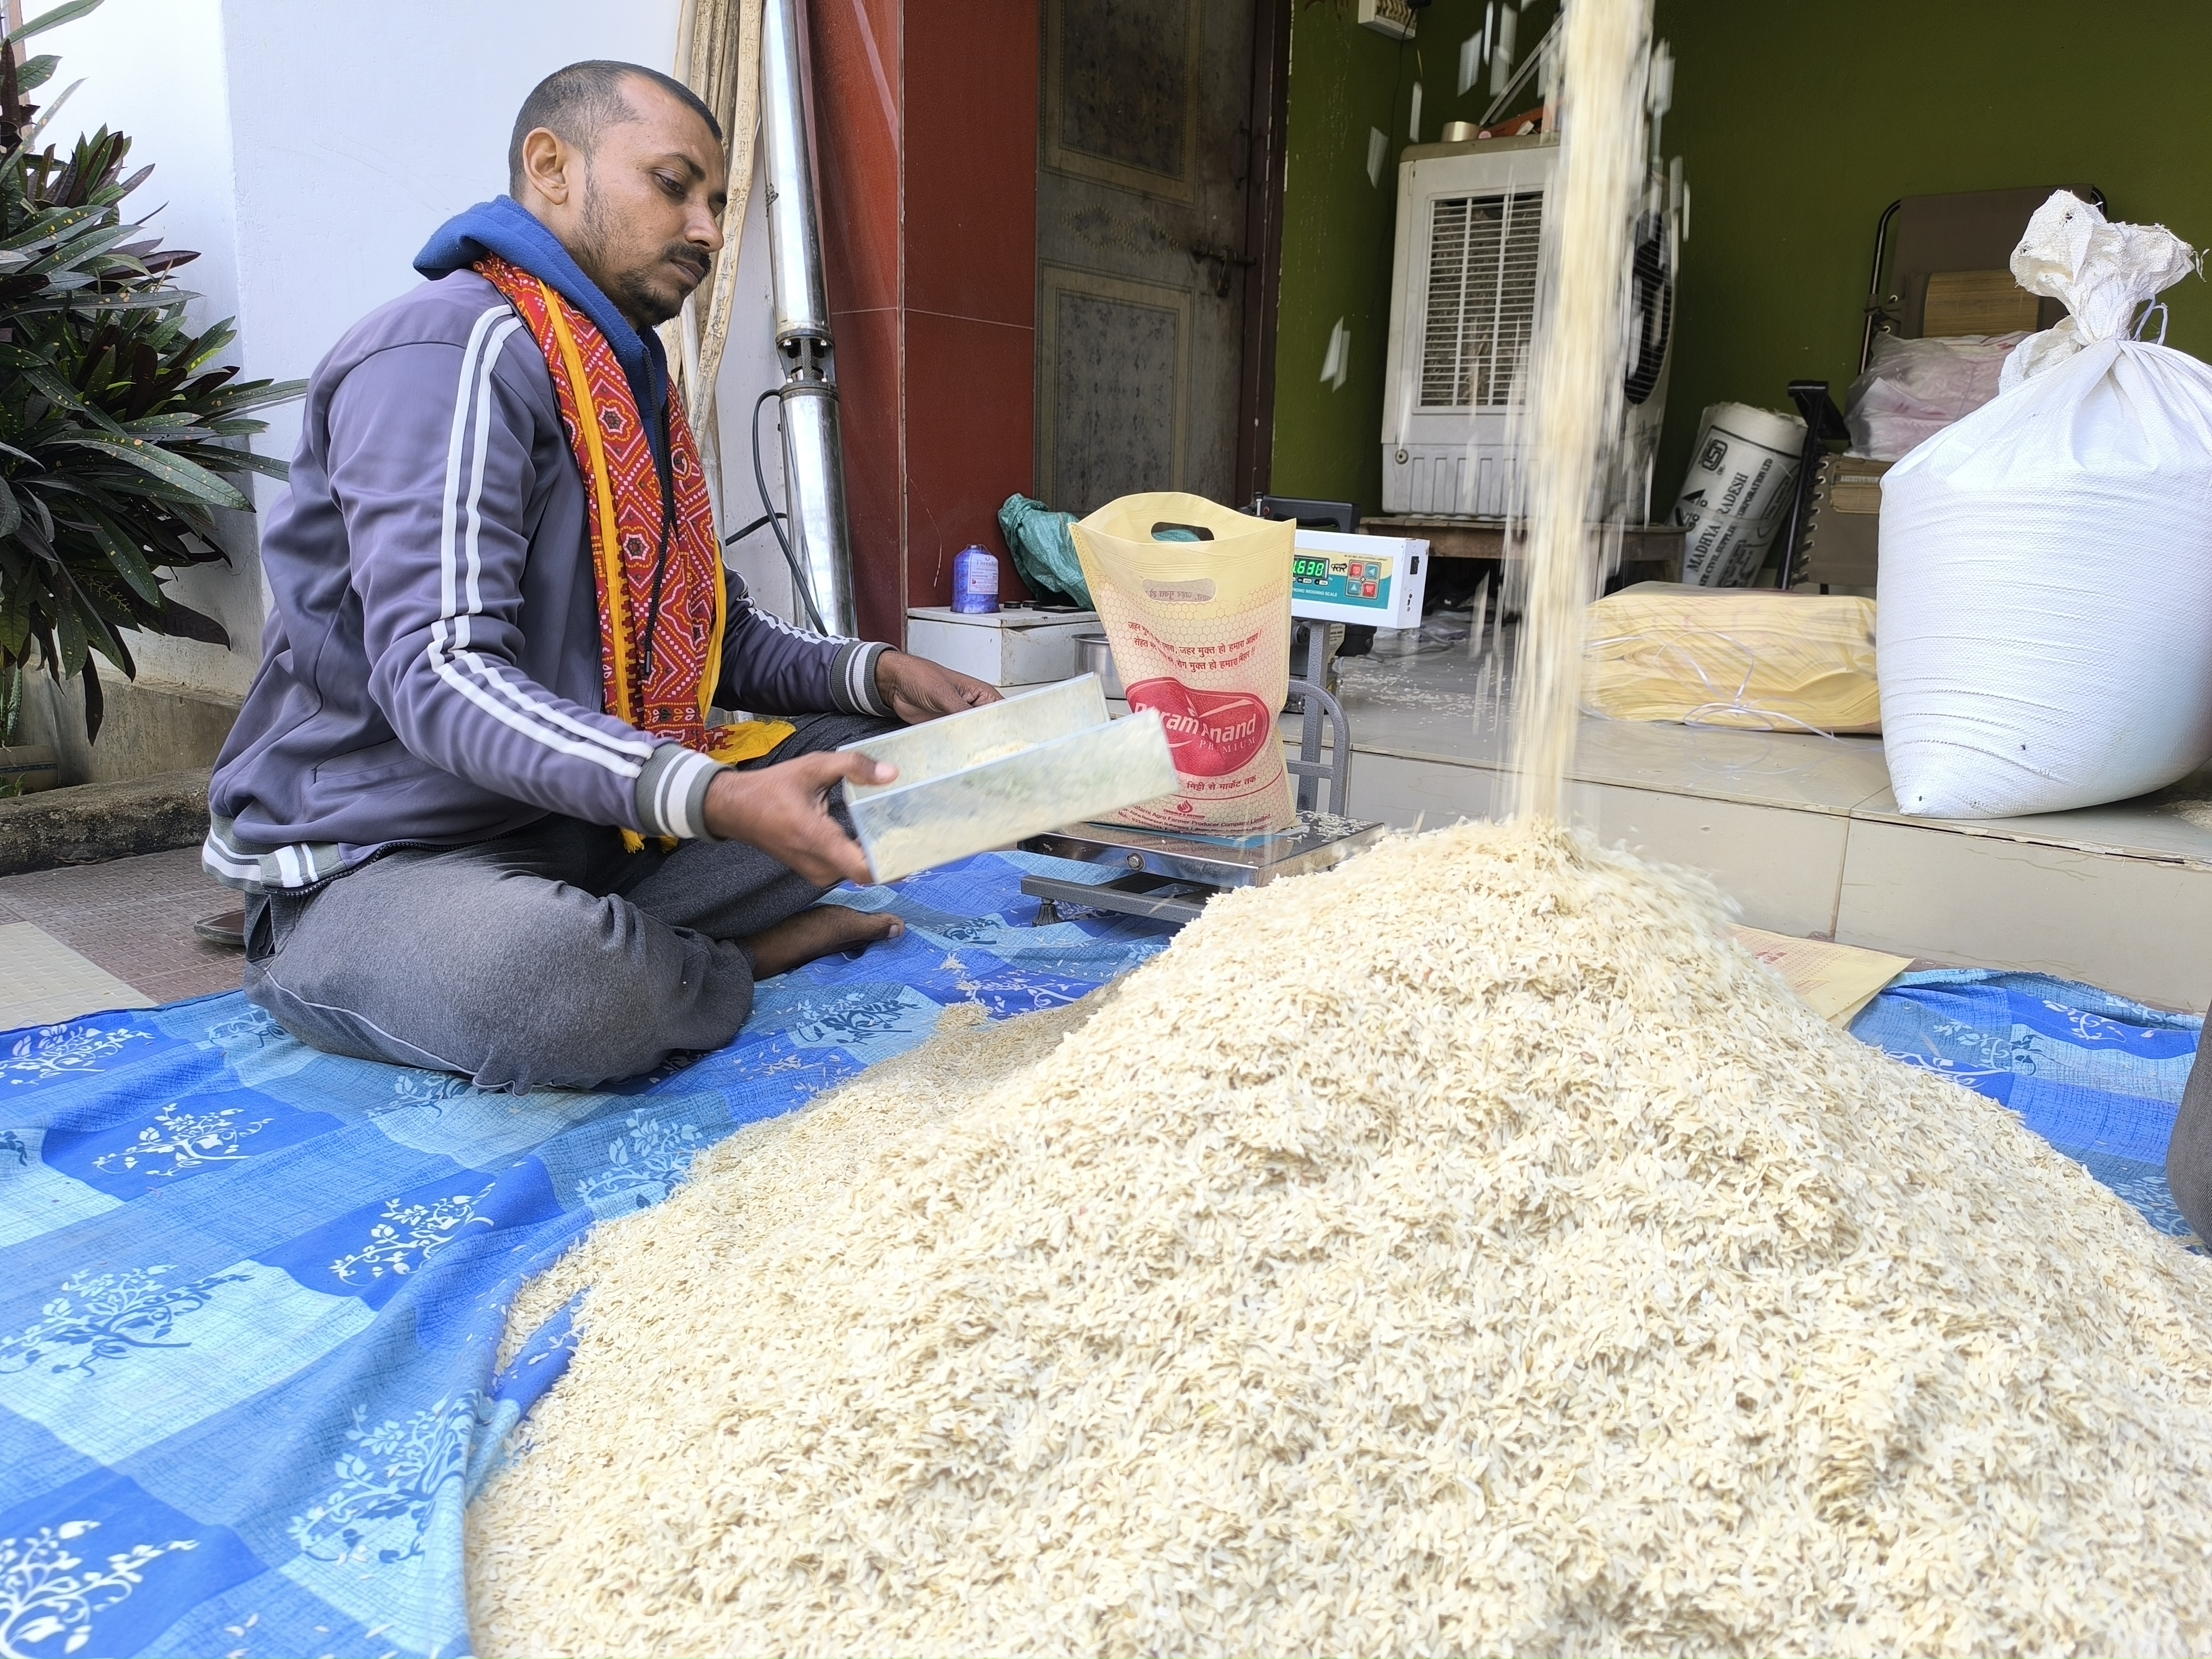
(578, 103)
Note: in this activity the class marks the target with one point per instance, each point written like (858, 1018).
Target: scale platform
(1169, 877)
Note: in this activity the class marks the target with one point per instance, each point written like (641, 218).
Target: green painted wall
(1797, 124)
(1345, 80)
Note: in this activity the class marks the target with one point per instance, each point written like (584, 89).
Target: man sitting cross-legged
(483, 817)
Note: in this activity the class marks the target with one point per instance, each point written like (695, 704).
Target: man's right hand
(784, 810)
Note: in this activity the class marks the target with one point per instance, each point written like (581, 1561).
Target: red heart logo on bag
(1210, 733)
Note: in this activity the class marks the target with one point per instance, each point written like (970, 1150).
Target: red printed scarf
(669, 694)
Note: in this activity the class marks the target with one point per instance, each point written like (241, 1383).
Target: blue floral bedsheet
(2097, 1076)
(251, 1295)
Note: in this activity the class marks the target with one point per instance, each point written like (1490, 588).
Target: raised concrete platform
(151, 728)
(1803, 833)
(91, 823)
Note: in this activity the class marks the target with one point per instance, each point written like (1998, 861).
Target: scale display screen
(1373, 580)
(1341, 580)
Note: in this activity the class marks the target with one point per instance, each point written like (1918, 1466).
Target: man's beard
(632, 291)
(635, 297)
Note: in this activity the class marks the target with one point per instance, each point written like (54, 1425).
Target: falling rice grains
(1581, 353)
(1467, 1249)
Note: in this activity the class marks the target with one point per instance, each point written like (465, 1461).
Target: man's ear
(548, 165)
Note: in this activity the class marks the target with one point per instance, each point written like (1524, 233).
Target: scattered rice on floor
(1467, 1249)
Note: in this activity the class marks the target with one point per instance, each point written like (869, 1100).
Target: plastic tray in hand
(987, 777)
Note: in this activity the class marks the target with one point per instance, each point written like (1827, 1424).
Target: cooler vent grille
(1481, 297)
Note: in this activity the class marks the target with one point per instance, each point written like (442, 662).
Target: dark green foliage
(117, 437)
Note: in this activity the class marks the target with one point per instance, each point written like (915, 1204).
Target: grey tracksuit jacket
(430, 669)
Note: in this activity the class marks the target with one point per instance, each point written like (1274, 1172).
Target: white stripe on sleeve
(460, 595)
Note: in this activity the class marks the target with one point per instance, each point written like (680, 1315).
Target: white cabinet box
(1001, 647)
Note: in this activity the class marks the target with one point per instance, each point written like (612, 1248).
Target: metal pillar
(813, 451)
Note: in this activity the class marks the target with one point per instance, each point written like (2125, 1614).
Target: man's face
(642, 213)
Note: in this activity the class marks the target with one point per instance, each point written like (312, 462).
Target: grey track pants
(550, 956)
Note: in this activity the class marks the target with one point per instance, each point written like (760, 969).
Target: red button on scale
(1367, 590)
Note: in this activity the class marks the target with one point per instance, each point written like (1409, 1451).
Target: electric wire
(799, 585)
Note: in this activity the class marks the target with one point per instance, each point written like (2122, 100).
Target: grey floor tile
(133, 917)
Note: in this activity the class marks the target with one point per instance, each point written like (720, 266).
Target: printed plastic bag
(2045, 584)
(1912, 389)
(1756, 658)
(1200, 630)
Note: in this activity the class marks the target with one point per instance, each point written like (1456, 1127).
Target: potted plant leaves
(120, 434)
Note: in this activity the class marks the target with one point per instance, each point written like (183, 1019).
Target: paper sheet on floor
(1836, 981)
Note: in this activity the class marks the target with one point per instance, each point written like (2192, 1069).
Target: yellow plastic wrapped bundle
(1756, 658)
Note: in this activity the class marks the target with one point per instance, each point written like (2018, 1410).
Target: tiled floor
(1803, 831)
(45, 981)
(131, 918)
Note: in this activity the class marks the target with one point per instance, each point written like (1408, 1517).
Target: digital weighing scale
(1376, 581)
(1334, 578)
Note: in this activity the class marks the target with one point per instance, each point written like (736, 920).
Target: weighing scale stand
(1334, 578)
(1169, 877)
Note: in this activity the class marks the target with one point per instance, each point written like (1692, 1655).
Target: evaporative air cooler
(1463, 291)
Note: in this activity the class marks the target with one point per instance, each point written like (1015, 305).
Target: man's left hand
(919, 689)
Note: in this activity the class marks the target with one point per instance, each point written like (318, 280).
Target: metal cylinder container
(814, 485)
(1095, 655)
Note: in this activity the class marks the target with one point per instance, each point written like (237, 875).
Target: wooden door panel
(1114, 413)
(1141, 160)
(1121, 93)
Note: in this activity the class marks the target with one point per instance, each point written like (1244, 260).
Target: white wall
(153, 68)
(358, 130)
(749, 368)
(309, 151)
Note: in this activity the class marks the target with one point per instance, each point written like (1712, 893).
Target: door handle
(1223, 260)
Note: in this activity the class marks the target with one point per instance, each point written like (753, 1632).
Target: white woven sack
(2045, 602)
